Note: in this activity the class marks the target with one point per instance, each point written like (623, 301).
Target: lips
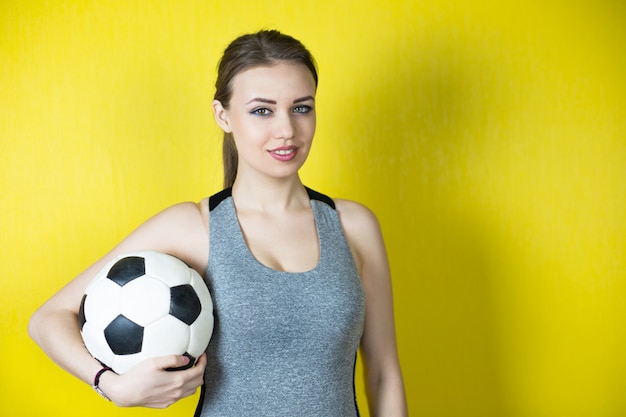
(284, 153)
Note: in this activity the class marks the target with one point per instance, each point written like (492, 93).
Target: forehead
(281, 79)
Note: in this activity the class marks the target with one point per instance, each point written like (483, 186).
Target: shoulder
(361, 228)
(180, 230)
(181, 219)
(354, 215)
(186, 214)
(189, 218)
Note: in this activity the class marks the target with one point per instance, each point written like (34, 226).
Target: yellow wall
(489, 137)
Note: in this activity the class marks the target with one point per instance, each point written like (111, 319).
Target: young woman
(299, 281)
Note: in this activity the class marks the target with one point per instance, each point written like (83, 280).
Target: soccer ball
(145, 304)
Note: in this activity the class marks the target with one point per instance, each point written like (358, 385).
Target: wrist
(97, 380)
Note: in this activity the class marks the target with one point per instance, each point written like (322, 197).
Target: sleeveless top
(284, 343)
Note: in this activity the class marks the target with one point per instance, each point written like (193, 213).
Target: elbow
(35, 324)
(32, 325)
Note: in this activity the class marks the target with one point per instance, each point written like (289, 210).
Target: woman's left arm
(383, 377)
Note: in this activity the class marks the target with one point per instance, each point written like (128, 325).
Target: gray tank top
(284, 343)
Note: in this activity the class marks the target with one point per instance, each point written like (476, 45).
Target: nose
(284, 126)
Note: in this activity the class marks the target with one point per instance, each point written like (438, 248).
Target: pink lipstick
(284, 153)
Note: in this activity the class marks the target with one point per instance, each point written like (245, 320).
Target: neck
(270, 196)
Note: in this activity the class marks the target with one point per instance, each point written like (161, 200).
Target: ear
(221, 116)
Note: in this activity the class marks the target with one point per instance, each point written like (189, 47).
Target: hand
(148, 384)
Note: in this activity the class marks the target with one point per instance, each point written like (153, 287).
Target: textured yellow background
(489, 137)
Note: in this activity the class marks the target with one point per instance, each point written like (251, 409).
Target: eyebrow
(268, 101)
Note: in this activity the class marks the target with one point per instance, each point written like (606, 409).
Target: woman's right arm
(180, 231)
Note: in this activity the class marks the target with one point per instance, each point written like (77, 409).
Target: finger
(171, 362)
(196, 373)
(201, 362)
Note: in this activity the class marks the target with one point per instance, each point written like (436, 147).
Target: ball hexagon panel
(172, 271)
(165, 336)
(199, 337)
(122, 363)
(145, 300)
(102, 302)
(96, 344)
(202, 291)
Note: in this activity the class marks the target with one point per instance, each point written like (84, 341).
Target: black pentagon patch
(124, 336)
(127, 269)
(81, 313)
(185, 304)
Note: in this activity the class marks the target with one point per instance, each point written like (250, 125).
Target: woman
(299, 280)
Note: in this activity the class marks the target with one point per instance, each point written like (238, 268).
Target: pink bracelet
(96, 382)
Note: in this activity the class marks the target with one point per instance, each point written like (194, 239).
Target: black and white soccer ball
(145, 304)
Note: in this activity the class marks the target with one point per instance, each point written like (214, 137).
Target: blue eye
(262, 111)
(302, 109)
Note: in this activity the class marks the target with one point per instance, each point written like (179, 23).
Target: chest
(288, 243)
(324, 302)
(260, 310)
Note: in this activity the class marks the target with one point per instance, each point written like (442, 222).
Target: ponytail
(230, 160)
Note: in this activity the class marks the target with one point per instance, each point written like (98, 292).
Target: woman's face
(271, 115)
